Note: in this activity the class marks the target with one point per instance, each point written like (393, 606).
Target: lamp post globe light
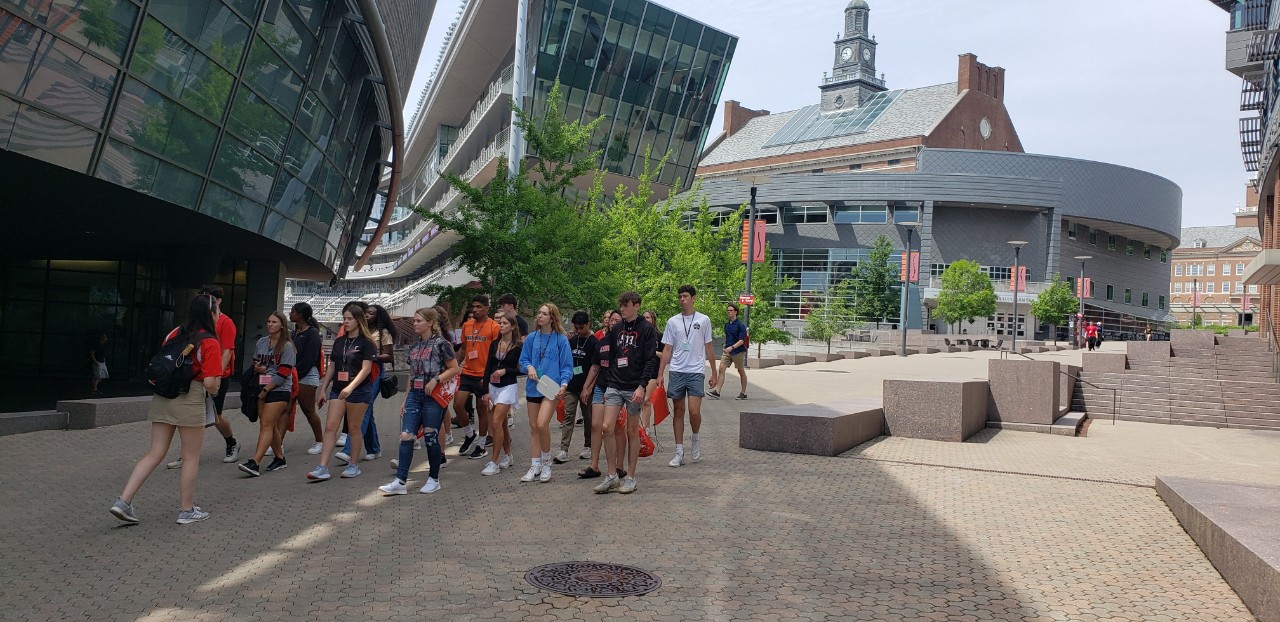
(1080, 312)
(754, 180)
(1017, 251)
(906, 285)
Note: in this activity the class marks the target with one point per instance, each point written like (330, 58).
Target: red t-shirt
(227, 341)
(208, 357)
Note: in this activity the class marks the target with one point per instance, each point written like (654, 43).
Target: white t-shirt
(688, 336)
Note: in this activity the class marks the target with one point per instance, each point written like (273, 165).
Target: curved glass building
(148, 147)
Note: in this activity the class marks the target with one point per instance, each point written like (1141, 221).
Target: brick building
(1208, 273)
(941, 167)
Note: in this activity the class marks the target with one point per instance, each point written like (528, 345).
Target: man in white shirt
(688, 349)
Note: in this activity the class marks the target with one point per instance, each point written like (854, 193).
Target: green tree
(1054, 305)
(766, 287)
(966, 293)
(831, 317)
(875, 284)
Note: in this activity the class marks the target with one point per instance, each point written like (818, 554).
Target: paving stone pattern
(739, 535)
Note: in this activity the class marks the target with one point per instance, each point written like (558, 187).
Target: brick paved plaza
(897, 529)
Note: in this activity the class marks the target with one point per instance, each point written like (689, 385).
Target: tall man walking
(687, 355)
(477, 333)
(633, 361)
(735, 353)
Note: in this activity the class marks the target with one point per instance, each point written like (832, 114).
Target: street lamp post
(1080, 313)
(754, 180)
(906, 287)
(1017, 251)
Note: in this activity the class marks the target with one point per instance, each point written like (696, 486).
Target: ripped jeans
(420, 410)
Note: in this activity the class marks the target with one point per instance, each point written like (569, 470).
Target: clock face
(846, 54)
(866, 54)
(984, 127)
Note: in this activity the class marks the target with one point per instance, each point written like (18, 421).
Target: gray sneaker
(609, 484)
(176, 464)
(194, 515)
(124, 511)
(628, 485)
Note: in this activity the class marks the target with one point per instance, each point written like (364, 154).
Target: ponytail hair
(304, 311)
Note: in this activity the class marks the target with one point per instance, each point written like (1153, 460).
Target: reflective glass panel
(8, 112)
(212, 26)
(247, 8)
(100, 25)
(133, 169)
(271, 77)
(290, 197)
(291, 38)
(18, 51)
(809, 123)
(152, 121)
(281, 229)
(175, 68)
(311, 244)
(312, 12)
(69, 82)
(230, 207)
(258, 123)
(43, 136)
(244, 169)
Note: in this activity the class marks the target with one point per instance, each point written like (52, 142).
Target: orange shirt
(476, 337)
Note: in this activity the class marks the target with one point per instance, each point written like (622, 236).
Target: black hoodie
(632, 354)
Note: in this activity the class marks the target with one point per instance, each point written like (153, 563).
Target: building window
(1177, 287)
(1110, 292)
(1128, 247)
(1177, 271)
(1111, 242)
(1198, 244)
(1212, 268)
(1146, 300)
(767, 214)
(805, 214)
(1146, 253)
(1162, 303)
(1239, 288)
(895, 162)
(1164, 256)
(937, 269)
(816, 171)
(1226, 287)
(855, 167)
(1240, 269)
(906, 213)
(1093, 237)
(1128, 296)
(1253, 289)
(1071, 232)
(855, 214)
(1208, 287)
(1226, 269)
(1195, 269)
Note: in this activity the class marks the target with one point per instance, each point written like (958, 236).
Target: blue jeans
(368, 427)
(421, 410)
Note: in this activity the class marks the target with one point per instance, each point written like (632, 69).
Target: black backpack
(171, 370)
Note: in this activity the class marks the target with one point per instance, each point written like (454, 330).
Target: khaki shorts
(185, 411)
(739, 359)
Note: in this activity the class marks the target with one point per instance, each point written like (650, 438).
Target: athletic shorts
(682, 384)
(472, 384)
(508, 395)
(534, 399)
(362, 395)
(277, 396)
(619, 397)
(312, 379)
(739, 359)
(221, 397)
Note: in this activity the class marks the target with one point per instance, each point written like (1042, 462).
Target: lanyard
(346, 353)
(686, 324)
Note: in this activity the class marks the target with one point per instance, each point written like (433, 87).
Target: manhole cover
(593, 579)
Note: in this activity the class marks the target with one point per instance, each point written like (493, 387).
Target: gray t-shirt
(266, 357)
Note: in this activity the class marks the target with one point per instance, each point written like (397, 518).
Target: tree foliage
(966, 293)
(831, 317)
(1054, 305)
(874, 288)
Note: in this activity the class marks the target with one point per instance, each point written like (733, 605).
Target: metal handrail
(1115, 397)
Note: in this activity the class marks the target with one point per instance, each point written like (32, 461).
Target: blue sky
(1138, 83)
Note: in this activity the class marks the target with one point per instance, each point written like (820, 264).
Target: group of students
(610, 374)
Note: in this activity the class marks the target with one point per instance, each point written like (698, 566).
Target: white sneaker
(677, 459)
(511, 421)
(176, 464)
(532, 474)
(609, 484)
(431, 486)
(695, 450)
(562, 457)
(342, 440)
(342, 455)
(270, 453)
(491, 468)
(628, 485)
(505, 460)
(417, 444)
(372, 456)
(586, 454)
(448, 439)
(316, 449)
(396, 487)
(545, 475)
(394, 462)
(233, 454)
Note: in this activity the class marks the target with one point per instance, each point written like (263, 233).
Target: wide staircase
(1231, 384)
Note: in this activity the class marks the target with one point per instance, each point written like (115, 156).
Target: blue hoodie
(550, 355)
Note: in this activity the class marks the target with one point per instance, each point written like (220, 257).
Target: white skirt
(503, 395)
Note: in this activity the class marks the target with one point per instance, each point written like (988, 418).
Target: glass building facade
(254, 113)
(654, 77)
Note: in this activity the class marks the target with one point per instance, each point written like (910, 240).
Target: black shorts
(472, 384)
(274, 397)
(221, 397)
(534, 399)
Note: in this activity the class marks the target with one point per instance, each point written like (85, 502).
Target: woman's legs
(414, 406)
(501, 439)
(432, 420)
(545, 413)
(268, 416)
(161, 437)
(355, 414)
(337, 417)
(535, 442)
(282, 428)
(597, 435)
(307, 401)
(191, 439)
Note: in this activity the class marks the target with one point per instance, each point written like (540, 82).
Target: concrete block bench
(940, 410)
(1234, 524)
(826, 429)
(1148, 350)
(1022, 391)
(854, 354)
(827, 358)
(1104, 362)
(797, 359)
(105, 411)
(764, 363)
(33, 421)
(930, 350)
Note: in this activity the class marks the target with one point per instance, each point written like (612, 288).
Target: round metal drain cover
(593, 579)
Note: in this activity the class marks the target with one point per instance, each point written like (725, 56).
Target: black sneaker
(713, 394)
(478, 452)
(276, 465)
(250, 467)
(455, 423)
(467, 442)
(742, 396)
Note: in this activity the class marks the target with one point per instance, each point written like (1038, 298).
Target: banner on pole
(1021, 279)
(761, 229)
(911, 265)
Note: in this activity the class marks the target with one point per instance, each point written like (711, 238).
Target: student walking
(310, 348)
(546, 354)
(687, 355)
(735, 353)
(433, 366)
(348, 385)
(593, 389)
(226, 330)
(274, 357)
(502, 369)
(185, 414)
(646, 409)
(582, 345)
(477, 333)
(384, 340)
(633, 362)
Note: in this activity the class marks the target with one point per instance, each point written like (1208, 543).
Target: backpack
(171, 370)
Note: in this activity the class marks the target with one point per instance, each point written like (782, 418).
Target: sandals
(588, 473)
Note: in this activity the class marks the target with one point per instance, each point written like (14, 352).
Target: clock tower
(853, 77)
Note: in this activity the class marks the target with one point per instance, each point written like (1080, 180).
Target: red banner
(761, 229)
(1084, 288)
(914, 266)
(1021, 280)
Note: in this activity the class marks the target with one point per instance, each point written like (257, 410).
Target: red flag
(660, 407)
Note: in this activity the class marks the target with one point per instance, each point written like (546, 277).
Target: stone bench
(32, 421)
(1022, 391)
(764, 363)
(854, 354)
(797, 359)
(1234, 524)
(940, 410)
(104, 411)
(826, 429)
(827, 358)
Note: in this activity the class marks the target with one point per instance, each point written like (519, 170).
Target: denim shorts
(312, 379)
(618, 397)
(597, 395)
(362, 395)
(683, 384)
